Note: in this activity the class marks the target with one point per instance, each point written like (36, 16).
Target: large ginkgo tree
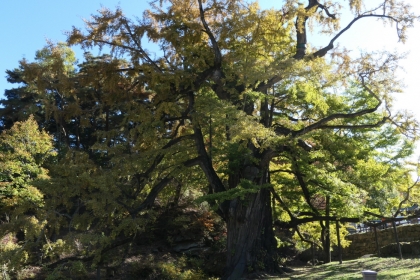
(231, 100)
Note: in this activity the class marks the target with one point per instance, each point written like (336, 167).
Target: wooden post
(396, 239)
(377, 243)
(327, 248)
(313, 253)
(337, 227)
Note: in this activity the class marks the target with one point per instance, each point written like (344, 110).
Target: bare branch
(206, 164)
(361, 126)
(322, 52)
(282, 204)
(215, 46)
(150, 199)
(326, 11)
(136, 40)
(113, 44)
(282, 170)
(262, 87)
(322, 123)
(301, 36)
(160, 157)
(303, 186)
(306, 240)
(407, 196)
(301, 31)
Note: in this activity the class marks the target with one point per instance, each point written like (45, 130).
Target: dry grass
(387, 268)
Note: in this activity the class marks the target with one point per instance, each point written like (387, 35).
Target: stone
(369, 275)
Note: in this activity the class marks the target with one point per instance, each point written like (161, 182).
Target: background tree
(24, 152)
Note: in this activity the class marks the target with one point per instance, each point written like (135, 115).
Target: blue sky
(27, 24)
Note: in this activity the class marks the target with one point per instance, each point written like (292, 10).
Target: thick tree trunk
(251, 246)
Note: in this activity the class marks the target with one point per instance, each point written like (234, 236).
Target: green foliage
(24, 151)
(172, 269)
(241, 191)
(312, 232)
(75, 270)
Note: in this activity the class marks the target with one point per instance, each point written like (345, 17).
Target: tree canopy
(233, 105)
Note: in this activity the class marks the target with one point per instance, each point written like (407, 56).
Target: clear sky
(25, 25)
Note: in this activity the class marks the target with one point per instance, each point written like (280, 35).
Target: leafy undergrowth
(387, 268)
(183, 243)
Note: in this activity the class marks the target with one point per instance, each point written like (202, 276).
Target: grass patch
(387, 268)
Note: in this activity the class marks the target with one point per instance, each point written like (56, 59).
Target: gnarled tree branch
(322, 123)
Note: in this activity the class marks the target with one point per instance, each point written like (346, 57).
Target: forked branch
(214, 45)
